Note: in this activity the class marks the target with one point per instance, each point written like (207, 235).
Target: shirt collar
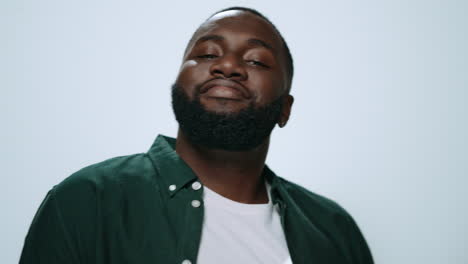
(276, 191)
(176, 174)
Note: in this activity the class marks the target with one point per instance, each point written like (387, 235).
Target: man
(206, 197)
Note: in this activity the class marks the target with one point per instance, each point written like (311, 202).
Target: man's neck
(234, 175)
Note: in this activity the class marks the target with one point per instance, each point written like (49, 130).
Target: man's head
(234, 82)
(289, 59)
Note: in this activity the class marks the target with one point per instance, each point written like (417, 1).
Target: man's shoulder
(329, 218)
(108, 176)
(311, 202)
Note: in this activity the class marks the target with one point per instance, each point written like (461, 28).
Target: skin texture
(235, 59)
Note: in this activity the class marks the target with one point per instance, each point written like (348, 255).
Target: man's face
(232, 86)
(235, 60)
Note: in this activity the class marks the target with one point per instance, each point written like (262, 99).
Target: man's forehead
(226, 14)
(240, 21)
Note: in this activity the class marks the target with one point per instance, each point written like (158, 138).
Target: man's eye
(258, 63)
(207, 56)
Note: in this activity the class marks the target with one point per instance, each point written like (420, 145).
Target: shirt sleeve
(360, 251)
(47, 240)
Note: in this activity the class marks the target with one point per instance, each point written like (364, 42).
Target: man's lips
(224, 92)
(224, 89)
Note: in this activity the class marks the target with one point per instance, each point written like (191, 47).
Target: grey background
(379, 123)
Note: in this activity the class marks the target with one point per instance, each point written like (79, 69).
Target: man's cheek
(189, 64)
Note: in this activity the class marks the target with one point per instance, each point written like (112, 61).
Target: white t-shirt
(241, 233)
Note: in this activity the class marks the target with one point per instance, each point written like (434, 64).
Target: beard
(240, 131)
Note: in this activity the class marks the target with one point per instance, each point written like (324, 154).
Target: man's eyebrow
(210, 37)
(252, 41)
(259, 42)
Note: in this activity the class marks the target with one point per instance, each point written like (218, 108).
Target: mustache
(199, 88)
(179, 90)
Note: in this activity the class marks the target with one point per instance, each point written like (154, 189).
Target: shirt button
(172, 187)
(186, 261)
(196, 203)
(196, 185)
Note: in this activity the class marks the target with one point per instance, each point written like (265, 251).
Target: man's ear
(288, 101)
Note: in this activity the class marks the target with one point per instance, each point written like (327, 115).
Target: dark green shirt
(138, 209)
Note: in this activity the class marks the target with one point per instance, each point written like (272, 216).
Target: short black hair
(289, 59)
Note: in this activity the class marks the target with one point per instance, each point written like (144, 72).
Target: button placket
(187, 248)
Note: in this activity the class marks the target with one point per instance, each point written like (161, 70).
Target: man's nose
(229, 66)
